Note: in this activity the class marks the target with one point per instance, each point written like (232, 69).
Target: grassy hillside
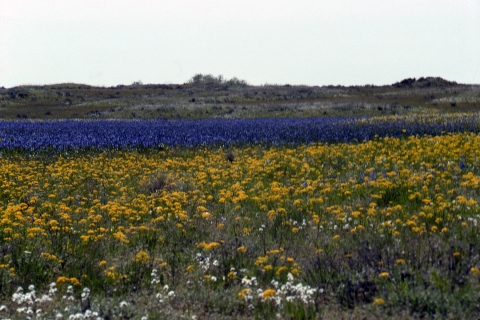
(214, 97)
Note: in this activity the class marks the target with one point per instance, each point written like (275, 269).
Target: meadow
(216, 199)
(354, 217)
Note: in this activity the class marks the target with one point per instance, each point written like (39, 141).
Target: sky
(309, 42)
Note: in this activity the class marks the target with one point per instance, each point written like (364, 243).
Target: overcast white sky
(348, 42)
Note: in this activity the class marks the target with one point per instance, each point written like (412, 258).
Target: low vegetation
(385, 226)
(207, 96)
(322, 218)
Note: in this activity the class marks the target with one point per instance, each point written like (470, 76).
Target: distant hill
(207, 96)
(424, 83)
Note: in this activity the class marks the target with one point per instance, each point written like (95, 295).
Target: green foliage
(206, 79)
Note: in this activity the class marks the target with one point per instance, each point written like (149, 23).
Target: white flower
(78, 316)
(22, 309)
(17, 298)
(290, 277)
(43, 298)
(246, 282)
(29, 298)
(278, 300)
(123, 304)
(85, 294)
(53, 288)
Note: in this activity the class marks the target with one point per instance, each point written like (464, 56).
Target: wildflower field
(377, 217)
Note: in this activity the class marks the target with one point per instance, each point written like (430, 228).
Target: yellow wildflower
(268, 267)
(475, 271)
(267, 294)
(190, 268)
(142, 257)
(242, 249)
(61, 280)
(244, 293)
(211, 245)
(75, 282)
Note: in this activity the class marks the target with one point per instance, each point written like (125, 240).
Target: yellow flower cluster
(266, 198)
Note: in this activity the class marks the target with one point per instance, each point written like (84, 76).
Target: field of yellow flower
(389, 224)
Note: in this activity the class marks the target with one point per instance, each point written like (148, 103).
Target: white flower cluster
(288, 292)
(154, 276)
(293, 292)
(203, 262)
(168, 294)
(28, 303)
(85, 294)
(89, 314)
(249, 282)
(473, 220)
(69, 296)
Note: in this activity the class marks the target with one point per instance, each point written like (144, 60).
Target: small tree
(219, 80)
